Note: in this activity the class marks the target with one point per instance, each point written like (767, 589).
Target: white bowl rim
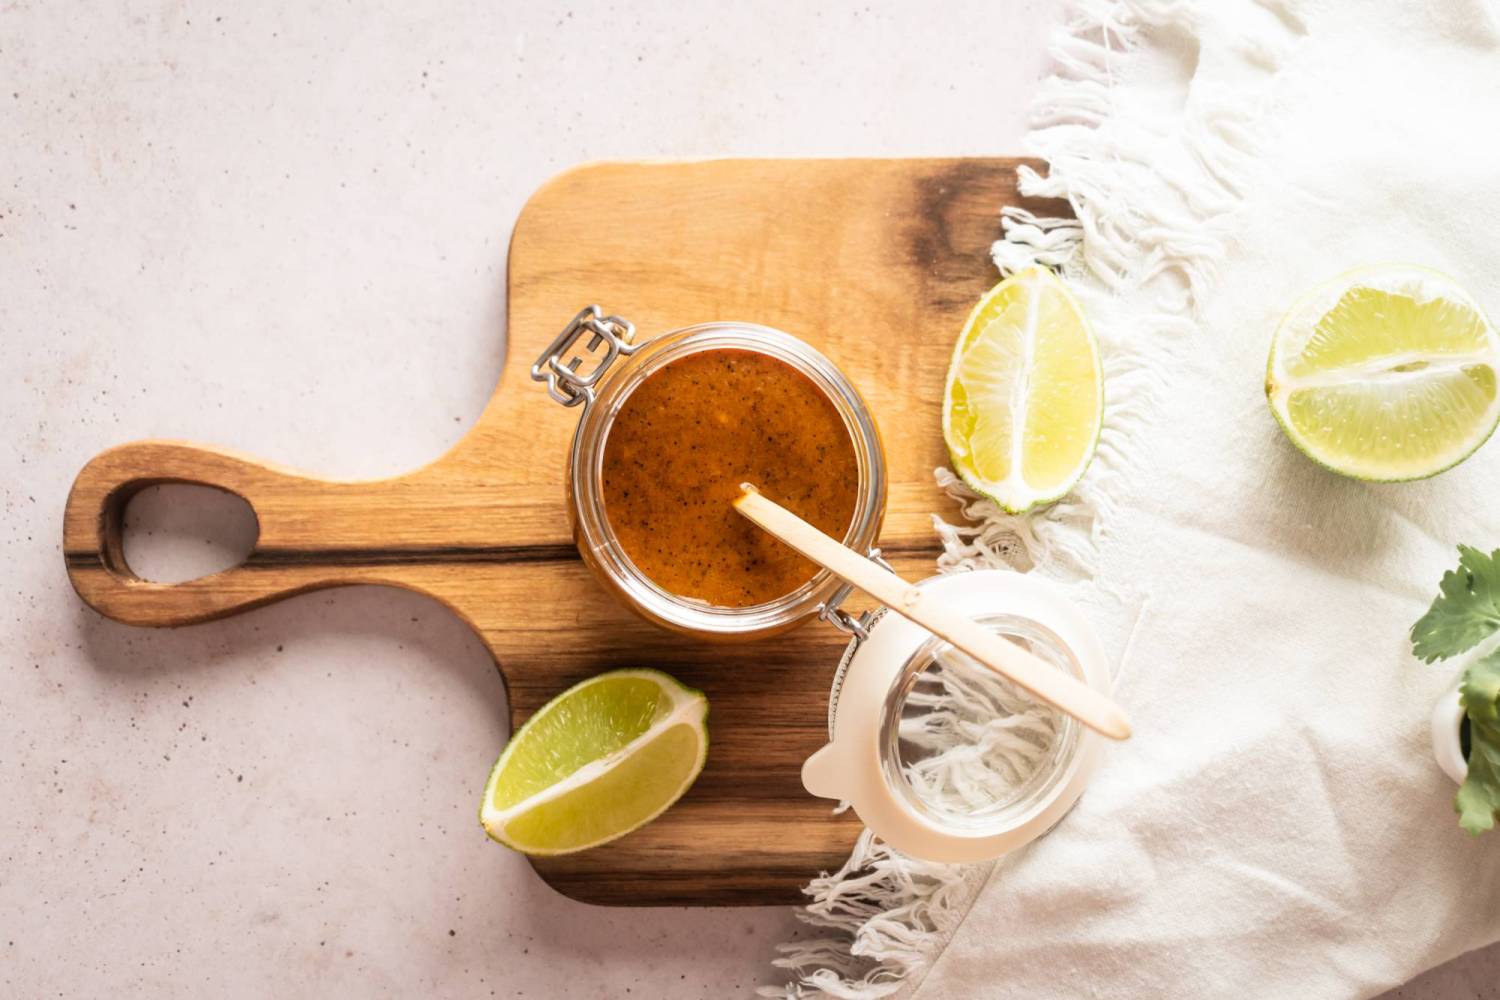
(1447, 745)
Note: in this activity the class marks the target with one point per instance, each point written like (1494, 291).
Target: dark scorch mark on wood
(956, 219)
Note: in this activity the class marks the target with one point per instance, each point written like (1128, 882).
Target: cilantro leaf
(1480, 690)
(1479, 797)
(1466, 611)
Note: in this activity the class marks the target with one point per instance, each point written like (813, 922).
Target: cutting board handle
(94, 520)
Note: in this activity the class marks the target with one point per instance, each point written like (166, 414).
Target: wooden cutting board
(875, 262)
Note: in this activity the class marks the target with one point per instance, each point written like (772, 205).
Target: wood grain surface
(875, 262)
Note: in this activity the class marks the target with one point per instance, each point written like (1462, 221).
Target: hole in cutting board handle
(176, 532)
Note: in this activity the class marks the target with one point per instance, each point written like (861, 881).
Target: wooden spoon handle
(909, 601)
(288, 507)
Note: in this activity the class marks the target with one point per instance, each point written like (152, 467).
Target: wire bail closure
(831, 612)
(559, 363)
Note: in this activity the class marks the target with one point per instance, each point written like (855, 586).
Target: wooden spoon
(1041, 679)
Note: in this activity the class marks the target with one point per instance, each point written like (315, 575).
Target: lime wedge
(601, 759)
(1387, 373)
(1025, 393)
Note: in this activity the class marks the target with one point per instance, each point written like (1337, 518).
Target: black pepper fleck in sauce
(682, 443)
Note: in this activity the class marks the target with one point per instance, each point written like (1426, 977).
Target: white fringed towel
(1277, 828)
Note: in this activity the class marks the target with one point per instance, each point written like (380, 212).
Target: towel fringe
(1142, 220)
(889, 913)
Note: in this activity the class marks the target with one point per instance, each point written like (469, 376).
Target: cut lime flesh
(1388, 373)
(598, 761)
(1024, 402)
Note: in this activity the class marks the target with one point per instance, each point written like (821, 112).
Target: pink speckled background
(282, 227)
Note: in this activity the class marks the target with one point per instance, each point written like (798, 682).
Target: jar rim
(1027, 797)
(601, 548)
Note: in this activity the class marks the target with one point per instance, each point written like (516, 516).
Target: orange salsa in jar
(681, 445)
(669, 432)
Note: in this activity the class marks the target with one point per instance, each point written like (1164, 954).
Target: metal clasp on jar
(830, 610)
(559, 363)
(858, 630)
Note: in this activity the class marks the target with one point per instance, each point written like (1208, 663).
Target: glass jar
(601, 390)
(1016, 751)
(940, 757)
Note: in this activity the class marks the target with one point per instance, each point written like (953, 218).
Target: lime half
(1025, 393)
(1386, 373)
(601, 759)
